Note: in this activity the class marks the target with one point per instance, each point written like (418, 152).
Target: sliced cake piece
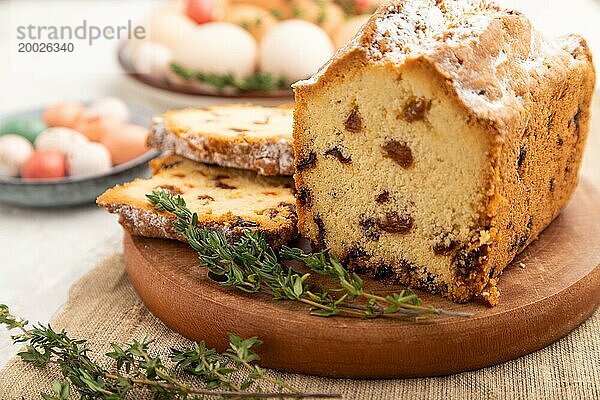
(239, 136)
(226, 200)
(440, 142)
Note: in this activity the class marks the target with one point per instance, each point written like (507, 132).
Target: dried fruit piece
(170, 188)
(337, 153)
(222, 185)
(308, 162)
(399, 152)
(383, 197)
(353, 121)
(369, 227)
(242, 223)
(392, 222)
(415, 109)
(321, 227)
(304, 197)
(383, 271)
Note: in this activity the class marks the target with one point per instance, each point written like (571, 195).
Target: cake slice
(226, 200)
(238, 136)
(440, 142)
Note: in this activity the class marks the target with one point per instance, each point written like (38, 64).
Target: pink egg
(63, 114)
(44, 164)
(95, 127)
(125, 143)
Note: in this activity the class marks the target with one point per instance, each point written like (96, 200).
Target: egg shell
(88, 159)
(109, 107)
(168, 26)
(295, 49)
(126, 142)
(14, 151)
(63, 114)
(218, 48)
(256, 20)
(152, 59)
(94, 127)
(44, 164)
(60, 139)
(347, 30)
(27, 127)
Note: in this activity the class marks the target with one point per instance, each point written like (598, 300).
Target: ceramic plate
(75, 190)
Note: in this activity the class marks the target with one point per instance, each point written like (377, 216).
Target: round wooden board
(557, 290)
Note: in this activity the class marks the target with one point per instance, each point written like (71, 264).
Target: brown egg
(63, 114)
(44, 164)
(95, 127)
(125, 142)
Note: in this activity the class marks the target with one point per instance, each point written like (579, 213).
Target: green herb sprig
(258, 82)
(135, 369)
(251, 265)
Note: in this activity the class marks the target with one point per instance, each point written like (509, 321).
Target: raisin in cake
(440, 142)
(225, 199)
(239, 136)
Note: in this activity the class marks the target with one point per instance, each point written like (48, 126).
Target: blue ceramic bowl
(75, 190)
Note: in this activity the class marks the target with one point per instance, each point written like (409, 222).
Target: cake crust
(226, 200)
(238, 136)
(527, 99)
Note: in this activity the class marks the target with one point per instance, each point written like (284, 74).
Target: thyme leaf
(135, 367)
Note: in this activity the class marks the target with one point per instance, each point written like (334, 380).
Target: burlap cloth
(103, 307)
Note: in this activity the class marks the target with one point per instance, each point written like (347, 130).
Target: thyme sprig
(258, 82)
(251, 265)
(135, 368)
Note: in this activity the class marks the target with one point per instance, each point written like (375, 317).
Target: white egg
(151, 58)
(295, 49)
(60, 139)
(14, 151)
(110, 108)
(168, 26)
(349, 29)
(88, 159)
(218, 48)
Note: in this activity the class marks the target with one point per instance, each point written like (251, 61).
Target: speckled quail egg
(59, 139)
(14, 151)
(295, 49)
(88, 159)
(218, 48)
(108, 107)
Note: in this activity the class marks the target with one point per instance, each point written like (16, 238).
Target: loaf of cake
(238, 136)
(226, 200)
(439, 143)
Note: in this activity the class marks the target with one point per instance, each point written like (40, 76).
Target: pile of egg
(286, 38)
(70, 140)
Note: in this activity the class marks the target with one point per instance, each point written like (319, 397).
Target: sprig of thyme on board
(251, 265)
(258, 82)
(135, 370)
